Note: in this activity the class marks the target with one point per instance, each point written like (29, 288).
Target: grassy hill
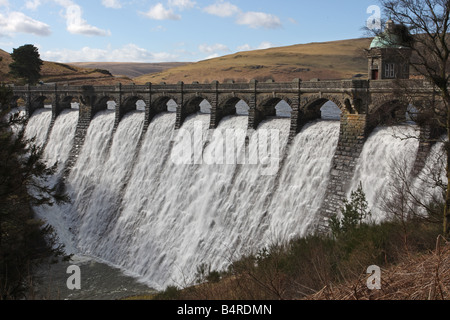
(129, 69)
(63, 73)
(327, 60)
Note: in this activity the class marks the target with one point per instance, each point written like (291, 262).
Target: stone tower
(389, 54)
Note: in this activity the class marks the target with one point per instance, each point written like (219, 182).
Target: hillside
(129, 69)
(63, 73)
(327, 60)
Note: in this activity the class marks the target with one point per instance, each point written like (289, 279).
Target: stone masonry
(358, 101)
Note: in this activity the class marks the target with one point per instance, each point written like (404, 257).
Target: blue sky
(173, 30)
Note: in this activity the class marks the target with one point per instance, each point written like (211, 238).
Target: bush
(170, 293)
(353, 213)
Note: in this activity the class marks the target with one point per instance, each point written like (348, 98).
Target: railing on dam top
(270, 86)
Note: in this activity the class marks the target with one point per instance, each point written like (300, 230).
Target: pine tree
(27, 64)
(353, 213)
(24, 240)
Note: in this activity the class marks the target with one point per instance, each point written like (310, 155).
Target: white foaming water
(57, 151)
(38, 125)
(303, 181)
(84, 175)
(60, 141)
(385, 146)
(428, 184)
(177, 212)
(99, 209)
(177, 215)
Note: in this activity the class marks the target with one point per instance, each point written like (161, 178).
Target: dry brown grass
(327, 60)
(421, 277)
(129, 69)
(53, 72)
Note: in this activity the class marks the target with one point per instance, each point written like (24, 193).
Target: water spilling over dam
(164, 178)
(138, 209)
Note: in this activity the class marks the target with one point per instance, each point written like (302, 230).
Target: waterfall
(56, 151)
(159, 205)
(96, 180)
(38, 126)
(304, 180)
(60, 141)
(385, 147)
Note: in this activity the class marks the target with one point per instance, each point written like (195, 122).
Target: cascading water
(303, 180)
(81, 181)
(181, 209)
(188, 202)
(159, 206)
(430, 182)
(97, 206)
(58, 147)
(385, 147)
(38, 126)
(56, 151)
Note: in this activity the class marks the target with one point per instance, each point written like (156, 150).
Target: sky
(173, 30)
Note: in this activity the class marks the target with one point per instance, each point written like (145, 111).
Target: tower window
(389, 71)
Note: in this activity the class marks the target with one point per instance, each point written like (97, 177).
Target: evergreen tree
(24, 240)
(27, 64)
(353, 212)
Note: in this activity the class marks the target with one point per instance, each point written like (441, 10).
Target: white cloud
(16, 22)
(32, 4)
(77, 25)
(259, 19)
(4, 3)
(244, 47)
(128, 53)
(213, 48)
(265, 45)
(222, 9)
(212, 56)
(115, 4)
(158, 12)
(262, 45)
(182, 4)
(65, 3)
(252, 19)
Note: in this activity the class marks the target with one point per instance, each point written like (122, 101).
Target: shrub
(353, 213)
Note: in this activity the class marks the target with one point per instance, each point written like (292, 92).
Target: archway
(330, 111)
(171, 106)
(111, 105)
(140, 105)
(388, 113)
(205, 107)
(283, 109)
(234, 105)
(275, 107)
(318, 109)
(75, 104)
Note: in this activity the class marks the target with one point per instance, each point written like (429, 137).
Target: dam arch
(360, 101)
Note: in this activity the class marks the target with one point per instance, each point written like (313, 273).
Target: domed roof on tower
(394, 36)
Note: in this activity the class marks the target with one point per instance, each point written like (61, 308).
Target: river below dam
(98, 281)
